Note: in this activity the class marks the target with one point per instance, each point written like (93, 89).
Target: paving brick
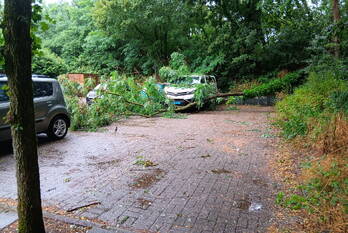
(187, 194)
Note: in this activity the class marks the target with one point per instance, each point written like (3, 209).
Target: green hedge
(288, 83)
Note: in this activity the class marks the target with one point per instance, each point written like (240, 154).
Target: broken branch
(83, 206)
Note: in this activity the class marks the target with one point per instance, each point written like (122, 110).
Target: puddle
(247, 204)
(7, 217)
(243, 204)
(255, 207)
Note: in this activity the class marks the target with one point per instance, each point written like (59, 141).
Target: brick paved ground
(211, 176)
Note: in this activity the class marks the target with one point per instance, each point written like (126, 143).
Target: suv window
(42, 89)
(3, 95)
(210, 80)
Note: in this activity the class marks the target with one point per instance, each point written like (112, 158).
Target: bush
(288, 82)
(49, 64)
(322, 196)
(317, 112)
(310, 101)
(338, 101)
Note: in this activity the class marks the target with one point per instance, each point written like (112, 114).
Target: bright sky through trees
(54, 1)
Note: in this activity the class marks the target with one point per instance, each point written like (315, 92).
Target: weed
(66, 180)
(309, 103)
(315, 117)
(143, 162)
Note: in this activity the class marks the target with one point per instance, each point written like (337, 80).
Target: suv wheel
(58, 128)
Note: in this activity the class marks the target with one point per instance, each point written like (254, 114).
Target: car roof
(35, 78)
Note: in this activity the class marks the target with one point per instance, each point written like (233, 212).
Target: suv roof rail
(33, 76)
(40, 76)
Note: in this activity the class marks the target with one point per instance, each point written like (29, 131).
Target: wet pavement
(205, 173)
(7, 216)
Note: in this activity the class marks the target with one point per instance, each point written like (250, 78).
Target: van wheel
(58, 128)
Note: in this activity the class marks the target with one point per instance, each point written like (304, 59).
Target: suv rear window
(3, 89)
(42, 89)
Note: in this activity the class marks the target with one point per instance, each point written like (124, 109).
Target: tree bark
(18, 55)
(336, 19)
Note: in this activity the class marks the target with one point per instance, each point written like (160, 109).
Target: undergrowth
(316, 117)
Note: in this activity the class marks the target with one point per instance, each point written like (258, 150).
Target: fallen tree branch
(218, 95)
(83, 206)
(127, 101)
(178, 109)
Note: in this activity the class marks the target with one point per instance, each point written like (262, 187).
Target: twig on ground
(83, 206)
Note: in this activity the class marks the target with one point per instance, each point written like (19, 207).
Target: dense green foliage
(317, 114)
(118, 97)
(323, 93)
(233, 40)
(287, 83)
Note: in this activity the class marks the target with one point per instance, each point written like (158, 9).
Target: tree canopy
(235, 40)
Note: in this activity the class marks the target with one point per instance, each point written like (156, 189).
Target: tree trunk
(18, 55)
(336, 19)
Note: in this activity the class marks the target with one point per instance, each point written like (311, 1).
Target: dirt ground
(207, 172)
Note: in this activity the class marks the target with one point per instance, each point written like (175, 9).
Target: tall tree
(336, 19)
(18, 56)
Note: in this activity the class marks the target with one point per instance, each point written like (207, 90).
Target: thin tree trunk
(17, 21)
(336, 19)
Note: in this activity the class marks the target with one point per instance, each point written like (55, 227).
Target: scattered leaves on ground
(52, 226)
(148, 179)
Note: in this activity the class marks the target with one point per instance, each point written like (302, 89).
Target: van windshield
(188, 80)
(3, 92)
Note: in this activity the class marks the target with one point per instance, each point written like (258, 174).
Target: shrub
(288, 82)
(49, 64)
(322, 195)
(317, 111)
(308, 102)
(338, 101)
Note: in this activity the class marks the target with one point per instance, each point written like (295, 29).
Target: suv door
(43, 101)
(5, 130)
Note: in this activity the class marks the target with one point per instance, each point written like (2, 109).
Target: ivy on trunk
(18, 56)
